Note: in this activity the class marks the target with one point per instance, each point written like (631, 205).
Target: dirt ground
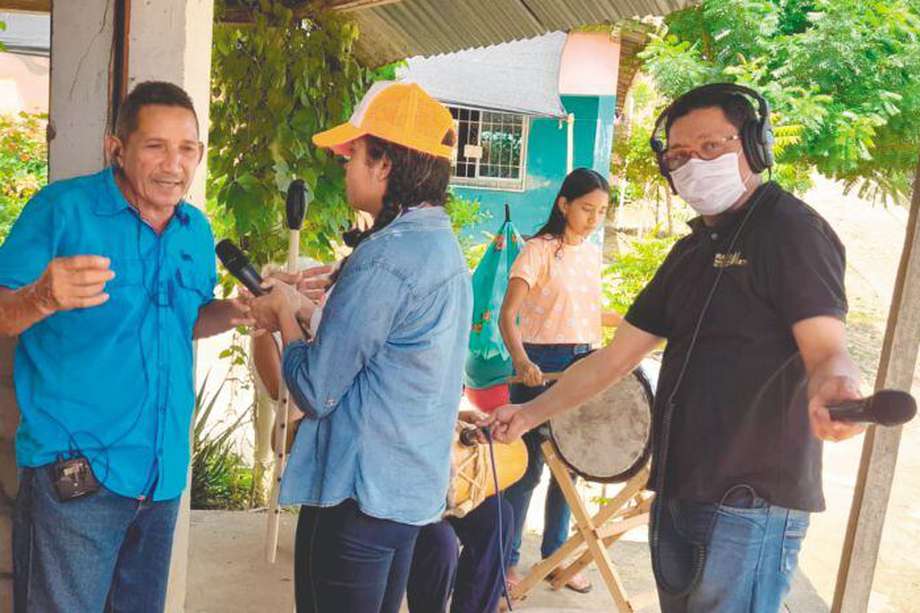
(874, 238)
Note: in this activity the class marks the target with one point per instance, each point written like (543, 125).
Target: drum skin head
(607, 439)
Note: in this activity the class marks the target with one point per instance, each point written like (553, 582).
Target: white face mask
(710, 186)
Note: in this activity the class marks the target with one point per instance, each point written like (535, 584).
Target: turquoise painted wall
(546, 155)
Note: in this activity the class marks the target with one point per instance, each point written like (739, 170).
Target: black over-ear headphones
(756, 134)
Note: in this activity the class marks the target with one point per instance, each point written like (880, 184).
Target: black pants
(474, 576)
(346, 561)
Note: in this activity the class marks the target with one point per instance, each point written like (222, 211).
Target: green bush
(631, 271)
(220, 478)
(23, 164)
(463, 213)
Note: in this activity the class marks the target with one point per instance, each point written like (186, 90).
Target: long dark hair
(578, 183)
(415, 178)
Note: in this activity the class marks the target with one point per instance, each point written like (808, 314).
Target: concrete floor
(228, 572)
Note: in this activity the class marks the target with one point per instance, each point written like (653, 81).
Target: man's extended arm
(832, 374)
(581, 381)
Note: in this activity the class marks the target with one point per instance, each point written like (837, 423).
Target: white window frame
(492, 183)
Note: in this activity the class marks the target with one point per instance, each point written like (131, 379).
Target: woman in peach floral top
(552, 313)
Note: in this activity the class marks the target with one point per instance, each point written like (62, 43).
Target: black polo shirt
(741, 411)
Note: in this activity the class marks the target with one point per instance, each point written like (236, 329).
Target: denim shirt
(381, 382)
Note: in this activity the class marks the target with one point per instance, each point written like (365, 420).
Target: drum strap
(680, 569)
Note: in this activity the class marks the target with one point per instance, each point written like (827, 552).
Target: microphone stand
(295, 209)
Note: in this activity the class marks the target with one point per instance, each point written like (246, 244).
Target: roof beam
(357, 5)
(242, 14)
(27, 6)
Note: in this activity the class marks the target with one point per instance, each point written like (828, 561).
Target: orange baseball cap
(399, 112)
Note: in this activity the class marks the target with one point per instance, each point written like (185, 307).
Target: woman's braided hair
(415, 178)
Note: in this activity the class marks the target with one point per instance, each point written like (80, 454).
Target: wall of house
(590, 64)
(24, 83)
(546, 165)
(588, 74)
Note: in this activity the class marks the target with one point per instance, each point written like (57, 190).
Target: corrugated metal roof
(406, 28)
(398, 29)
(520, 76)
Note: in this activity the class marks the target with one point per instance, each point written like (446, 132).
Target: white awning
(519, 77)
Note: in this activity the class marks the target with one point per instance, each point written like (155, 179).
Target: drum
(471, 479)
(608, 438)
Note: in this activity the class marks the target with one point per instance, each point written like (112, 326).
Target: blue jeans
(474, 576)
(345, 560)
(752, 552)
(102, 552)
(557, 515)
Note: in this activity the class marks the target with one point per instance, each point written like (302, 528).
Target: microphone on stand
(884, 407)
(295, 207)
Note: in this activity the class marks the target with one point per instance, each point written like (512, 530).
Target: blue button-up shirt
(381, 383)
(112, 382)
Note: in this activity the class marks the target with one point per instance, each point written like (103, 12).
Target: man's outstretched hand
(508, 423)
(832, 391)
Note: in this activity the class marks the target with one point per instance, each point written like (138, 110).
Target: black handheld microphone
(238, 265)
(884, 407)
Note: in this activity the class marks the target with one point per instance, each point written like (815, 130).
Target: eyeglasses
(708, 150)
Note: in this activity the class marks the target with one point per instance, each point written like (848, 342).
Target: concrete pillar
(81, 47)
(170, 40)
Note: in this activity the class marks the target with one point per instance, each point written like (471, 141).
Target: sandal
(578, 583)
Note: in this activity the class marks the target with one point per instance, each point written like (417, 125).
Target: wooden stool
(627, 510)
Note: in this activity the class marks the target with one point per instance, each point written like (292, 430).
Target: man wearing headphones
(752, 305)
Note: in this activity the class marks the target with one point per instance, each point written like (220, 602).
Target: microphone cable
(498, 503)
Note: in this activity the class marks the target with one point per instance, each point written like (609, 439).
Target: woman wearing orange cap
(381, 381)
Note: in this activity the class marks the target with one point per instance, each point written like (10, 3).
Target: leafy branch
(275, 83)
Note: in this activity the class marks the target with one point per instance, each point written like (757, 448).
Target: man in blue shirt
(107, 279)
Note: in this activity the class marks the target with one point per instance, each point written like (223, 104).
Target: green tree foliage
(839, 74)
(275, 83)
(632, 158)
(23, 164)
